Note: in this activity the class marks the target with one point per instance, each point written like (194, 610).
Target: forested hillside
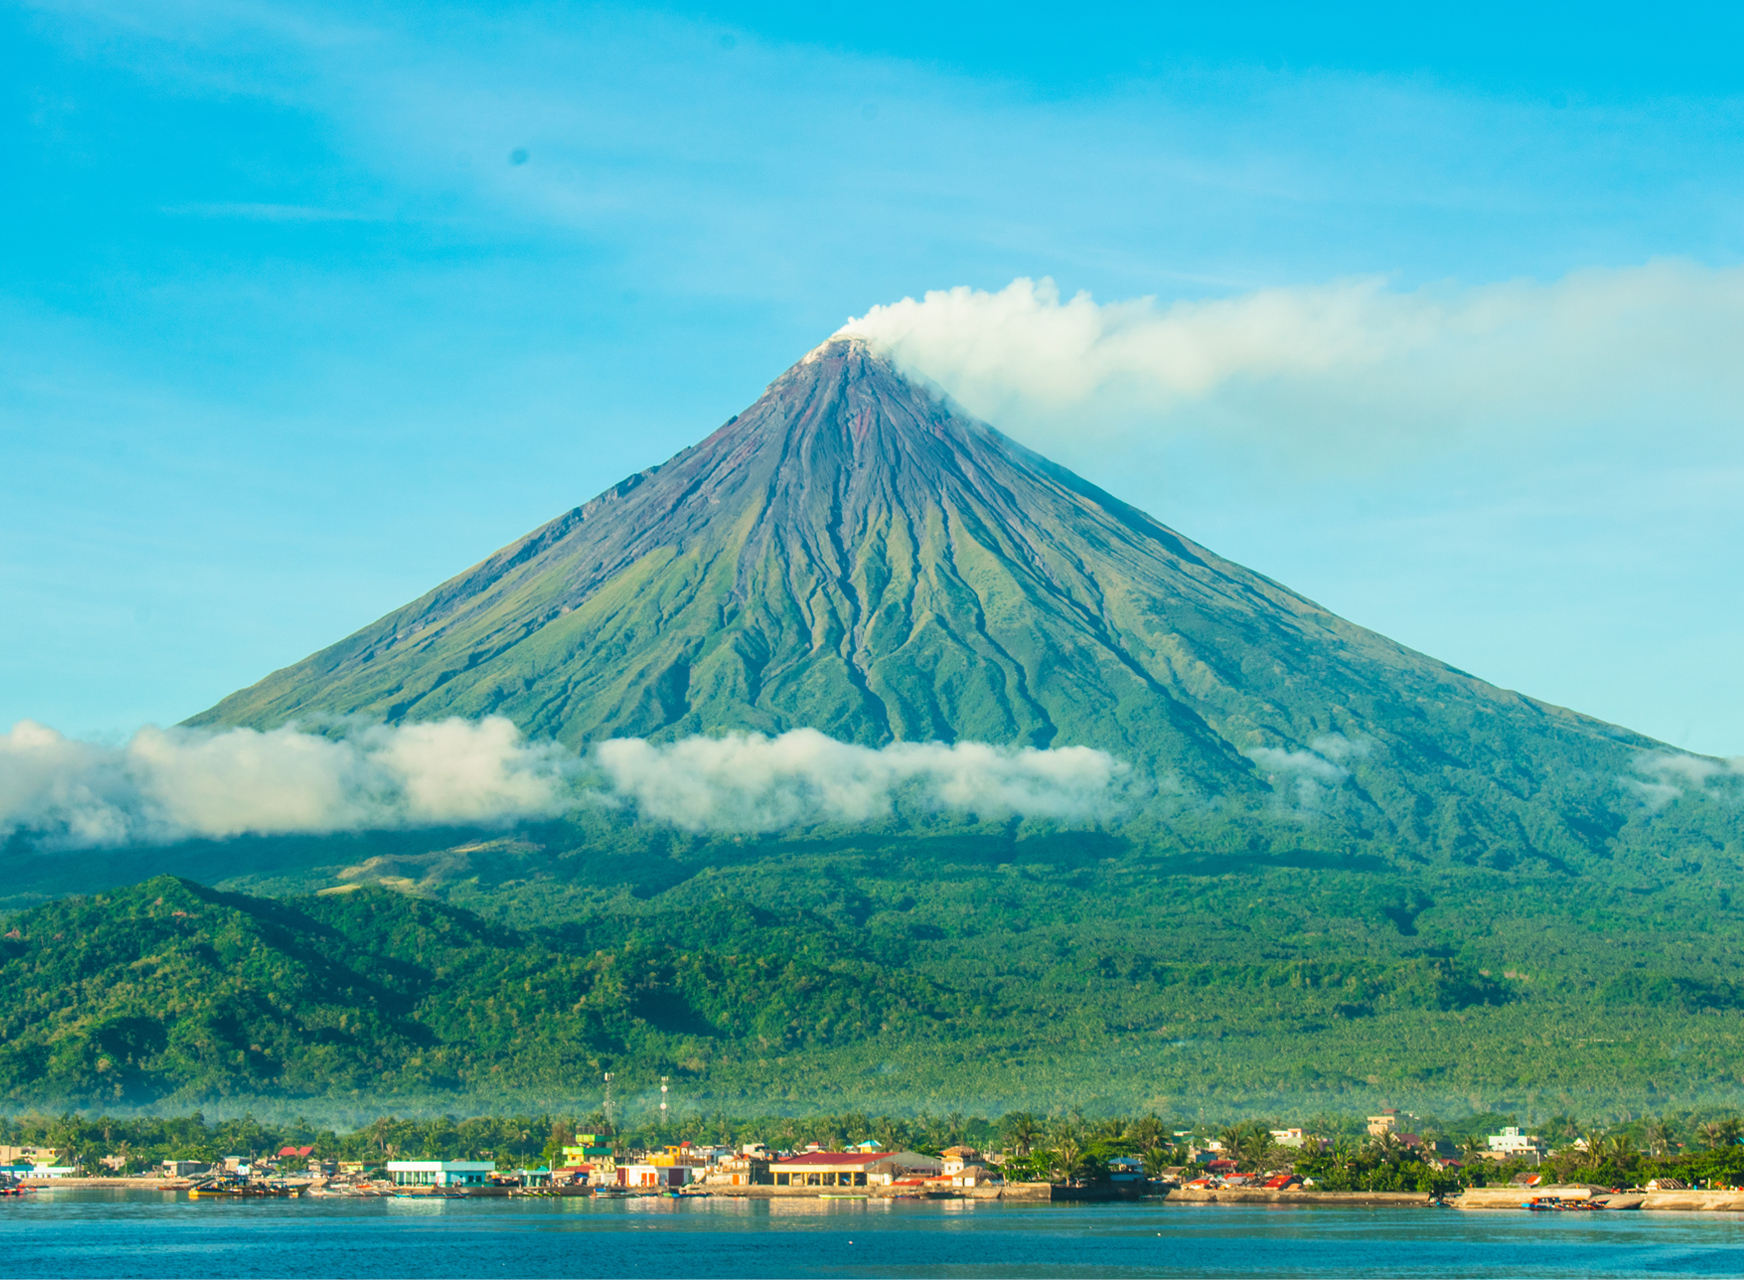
(1062, 970)
(1348, 872)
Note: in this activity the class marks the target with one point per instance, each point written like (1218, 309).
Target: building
(658, 1176)
(973, 1175)
(29, 1155)
(593, 1154)
(1289, 1137)
(22, 1170)
(440, 1173)
(1512, 1144)
(1126, 1169)
(185, 1168)
(956, 1158)
(742, 1170)
(1386, 1122)
(853, 1168)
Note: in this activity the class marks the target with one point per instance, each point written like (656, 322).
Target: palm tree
(1658, 1137)
(1473, 1146)
(1230, 1140)
(1021, 1132)
(1387, 1146)
(954, 1126)
(1255, 1150)
(1147, 1133)
(1156, 1159)
(1068, 1156)
(1343, 1152)
(1713, 1134)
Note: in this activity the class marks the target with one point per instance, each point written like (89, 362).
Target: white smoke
(1666, 775)
(1348, 357)
(746, 782)
(174, 784)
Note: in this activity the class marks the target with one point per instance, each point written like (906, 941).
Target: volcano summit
(1357, 874)
(853, 554)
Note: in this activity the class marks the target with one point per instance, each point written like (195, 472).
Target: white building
(956, 1159)
(657, 1175)
(440, 1173)
(974, 1175)
(1511, 1144)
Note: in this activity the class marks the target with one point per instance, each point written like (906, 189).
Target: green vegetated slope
(980, 971)
(1363, 874)
(851, 554)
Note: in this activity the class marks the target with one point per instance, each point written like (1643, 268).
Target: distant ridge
(854, 554)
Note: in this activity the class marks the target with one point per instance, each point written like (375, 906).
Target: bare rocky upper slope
(853, 554)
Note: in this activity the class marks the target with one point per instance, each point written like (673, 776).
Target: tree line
(1338, 1154)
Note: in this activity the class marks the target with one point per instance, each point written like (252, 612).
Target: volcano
(854, 554)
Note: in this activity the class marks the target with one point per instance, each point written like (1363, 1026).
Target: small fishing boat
(239, 1189)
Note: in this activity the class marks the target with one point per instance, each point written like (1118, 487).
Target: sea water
(93, 1233)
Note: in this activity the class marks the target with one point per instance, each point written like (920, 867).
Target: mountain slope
(854, 555)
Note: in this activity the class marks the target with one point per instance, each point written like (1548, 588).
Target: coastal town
(1395, 1159)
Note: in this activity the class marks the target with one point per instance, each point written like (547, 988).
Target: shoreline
(109, 1184)
(1472, 1200)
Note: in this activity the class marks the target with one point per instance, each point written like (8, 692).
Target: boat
(548, 1191)
(1556, 1204)
(238, 1189)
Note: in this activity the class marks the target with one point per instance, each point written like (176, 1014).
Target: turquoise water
(111, 1234)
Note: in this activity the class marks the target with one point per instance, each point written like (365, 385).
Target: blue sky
(306, 308)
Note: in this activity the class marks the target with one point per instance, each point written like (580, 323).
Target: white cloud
(1667, 776)
(1335, 746)
(1313, 769)
(1309, 764)
(174, 784)
(1347, 360)
(747, 782)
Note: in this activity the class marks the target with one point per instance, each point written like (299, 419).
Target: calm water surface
(159, 1235)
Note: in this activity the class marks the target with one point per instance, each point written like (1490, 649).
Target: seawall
(1668, 1201)
(1298, 1196)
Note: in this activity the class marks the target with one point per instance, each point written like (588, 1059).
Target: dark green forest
(981, 970)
